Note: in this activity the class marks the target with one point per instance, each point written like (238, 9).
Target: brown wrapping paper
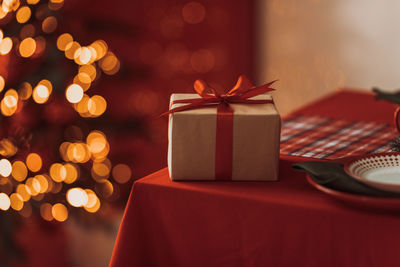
(256, 137)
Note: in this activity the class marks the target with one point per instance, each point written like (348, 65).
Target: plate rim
(348, 162)
(355, 198)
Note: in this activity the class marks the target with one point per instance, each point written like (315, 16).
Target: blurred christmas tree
(54, 158)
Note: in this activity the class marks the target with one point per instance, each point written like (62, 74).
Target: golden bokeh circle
(27, 47)
(49, 24)
(23, 14)
(59, 212)
(19, 171)
(34, 162)
(64, 40)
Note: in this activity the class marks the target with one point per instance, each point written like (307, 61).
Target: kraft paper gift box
(255, 145)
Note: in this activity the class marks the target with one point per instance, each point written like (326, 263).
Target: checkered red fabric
(327, 138)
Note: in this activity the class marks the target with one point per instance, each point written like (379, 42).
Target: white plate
(381, 170)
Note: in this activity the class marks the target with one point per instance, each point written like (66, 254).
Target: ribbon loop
(242, 84)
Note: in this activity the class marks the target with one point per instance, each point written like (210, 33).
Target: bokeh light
(47, 84)
(101, 170)
(93, 200)
(83, 56)
(193, 12)
(83, 80)
(84, 77)
(7, 148)
(109, 64)
(41, 12)
(40, 45)
(19, 171)
(49, 24)
(46, 211)
(72, 173)
(90, 107)
(6, 111)
(5, 167)
(105, 188)
(10, 5)
(26, 210)
(63, 150)
(8, 105)
(16, 201)
(98, 145)
(58, 172)
(43, 183)
(25, 91)
(38, 197)
(93, 204)
(83, 106)
(11, 98)
(121, 173)
(41, 94)
(4, 202)
(100, 47)
(24, 191)
(27, 47)
(77, 197)
(23, 14)
(34, 162)
(5, 46)
(55, 4)
(78, 152)
(97, 105)
(71, 48)
(96, 141)
(89, 70)
(59, 212)
(56, 188)
(74, 93)
(33, 185)
(50, 183)
(27, 30)
(64, 40)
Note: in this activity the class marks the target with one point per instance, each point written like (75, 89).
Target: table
(285, 223)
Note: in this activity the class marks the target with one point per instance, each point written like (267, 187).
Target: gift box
(234, 136)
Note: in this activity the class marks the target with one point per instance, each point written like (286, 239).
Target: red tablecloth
(285, 223)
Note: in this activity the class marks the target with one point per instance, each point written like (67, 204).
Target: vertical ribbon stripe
(224, 143)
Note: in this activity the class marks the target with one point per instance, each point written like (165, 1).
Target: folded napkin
(332, 175)
(391, 97)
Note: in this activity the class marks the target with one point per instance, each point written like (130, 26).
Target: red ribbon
(240, 93)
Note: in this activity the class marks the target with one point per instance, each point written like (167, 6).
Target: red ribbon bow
(240, 93)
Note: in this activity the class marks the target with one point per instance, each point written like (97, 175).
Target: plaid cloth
(327, 138)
